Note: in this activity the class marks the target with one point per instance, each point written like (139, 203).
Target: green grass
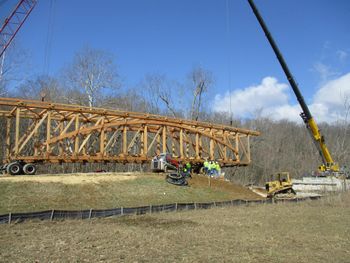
(316, 231)
(28, 196)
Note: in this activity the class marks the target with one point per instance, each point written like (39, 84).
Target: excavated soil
(237, 191)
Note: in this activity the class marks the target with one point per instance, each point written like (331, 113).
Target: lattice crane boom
(14, 22)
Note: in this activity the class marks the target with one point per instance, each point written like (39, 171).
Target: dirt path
(76, 178)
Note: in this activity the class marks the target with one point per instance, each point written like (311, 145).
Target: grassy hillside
(99, 191)
(317, 231)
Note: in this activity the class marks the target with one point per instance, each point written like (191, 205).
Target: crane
(14, 22)
(328, 167)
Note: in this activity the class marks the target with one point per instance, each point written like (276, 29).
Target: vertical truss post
(76, 140)
(125, 140)
(211, 146)
(48, 133)
(248, 148)
(181, 143)
(18, 112)
(8, 138)
(237, 147)
(197, 146)
(225, 147)
(164, 139)
(60, 143)
(145, 143)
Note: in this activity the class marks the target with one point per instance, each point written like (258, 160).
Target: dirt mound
(236, 191)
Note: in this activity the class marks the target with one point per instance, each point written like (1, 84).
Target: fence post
(175, 206)
(195, 206)
(214, 203)
(90, 212)
(10, 217)
(150, 209)
(122, 211)
(52, 213)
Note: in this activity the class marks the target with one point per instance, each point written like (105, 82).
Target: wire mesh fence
(122, 211)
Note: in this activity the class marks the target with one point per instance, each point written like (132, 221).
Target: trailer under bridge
(38, 132)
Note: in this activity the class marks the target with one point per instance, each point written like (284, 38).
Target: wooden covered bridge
(48, 132)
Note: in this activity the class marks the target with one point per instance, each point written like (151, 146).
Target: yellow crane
(328, 166)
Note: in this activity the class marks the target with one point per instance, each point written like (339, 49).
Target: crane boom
(14, 22)
(328, 163)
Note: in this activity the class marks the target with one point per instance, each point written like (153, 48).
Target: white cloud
(342, 55)
(325, 72)
(272, 99)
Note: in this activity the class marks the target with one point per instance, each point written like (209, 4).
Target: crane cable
(49, 37)
(228, 31)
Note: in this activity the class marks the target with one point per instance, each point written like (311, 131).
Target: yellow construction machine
(328, 166)
(280, 186)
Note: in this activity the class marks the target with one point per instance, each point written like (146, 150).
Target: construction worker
(211, 168)
(217, 169)
(205, 165)
(187, 169)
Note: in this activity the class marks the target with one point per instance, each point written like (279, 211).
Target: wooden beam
(125, 140)
(32, 133)
(76, 139)
(211, 147)
(8, 138)
(197, 146)
(48, 132)
(18, 112)
(164, 139)
(181, 143)
(145, 143)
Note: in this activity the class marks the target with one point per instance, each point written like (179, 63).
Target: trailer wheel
(29, 169)
(14, 168)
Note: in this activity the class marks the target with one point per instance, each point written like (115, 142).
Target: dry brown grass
(316, 231)
(101, 191)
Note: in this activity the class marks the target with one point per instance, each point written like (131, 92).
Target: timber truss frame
(49, 132)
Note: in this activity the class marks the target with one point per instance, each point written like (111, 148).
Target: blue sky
(171, 37)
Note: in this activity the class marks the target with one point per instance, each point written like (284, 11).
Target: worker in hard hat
(205, 166)
(211, 168)
(187, 169)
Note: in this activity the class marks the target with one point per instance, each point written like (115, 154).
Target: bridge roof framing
(73, 133)
(115, 113)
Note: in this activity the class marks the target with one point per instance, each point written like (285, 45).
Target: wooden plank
(181, 143)
(48, 132)
(76, 139)
(164, 139)
(18, 112)
(197, 146)
(145, 143)
(8, 137)
(125, 140)
(102, 138)
(211, 147)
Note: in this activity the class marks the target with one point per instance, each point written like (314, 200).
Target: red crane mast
(14, 22)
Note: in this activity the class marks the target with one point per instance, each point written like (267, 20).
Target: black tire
(14, 168)
(175, 176)
(179, 182)
(29, 169)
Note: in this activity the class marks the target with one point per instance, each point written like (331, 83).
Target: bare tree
(159, 91)
(201, 80)
(44, 88)
(14, 67)
(91, 71)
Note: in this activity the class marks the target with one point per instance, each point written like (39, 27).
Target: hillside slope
(108, 190)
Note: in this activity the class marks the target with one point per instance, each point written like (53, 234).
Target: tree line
(92, 79)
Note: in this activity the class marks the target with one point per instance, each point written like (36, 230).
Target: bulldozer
(280, 186)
